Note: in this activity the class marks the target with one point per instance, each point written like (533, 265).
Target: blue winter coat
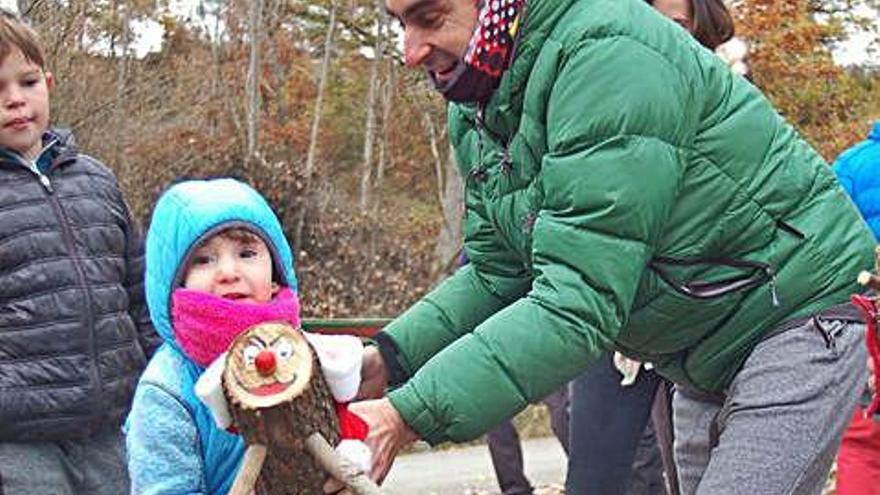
(174, 446)
(858, 169)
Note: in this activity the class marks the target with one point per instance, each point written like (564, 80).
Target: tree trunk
(372, 98)
(311, 157)
(387, 99)
(252, 86)
(119, 156)
(217, 75)
(449, 240)
(450, 199)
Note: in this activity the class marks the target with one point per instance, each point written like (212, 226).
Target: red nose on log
(265, 362)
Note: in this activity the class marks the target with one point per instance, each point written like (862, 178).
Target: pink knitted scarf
(205, 325)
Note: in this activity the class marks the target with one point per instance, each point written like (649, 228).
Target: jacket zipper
(32, 166)
(711, 290)
(89, 318)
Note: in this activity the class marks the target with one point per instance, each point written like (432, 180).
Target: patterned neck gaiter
(488, 55)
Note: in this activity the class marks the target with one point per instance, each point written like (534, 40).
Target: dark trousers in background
(506, 452)
(607, 425)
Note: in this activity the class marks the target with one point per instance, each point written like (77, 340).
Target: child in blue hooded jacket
(213, 246)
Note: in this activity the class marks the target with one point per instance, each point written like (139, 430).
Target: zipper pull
(506, 163)
(47, 184)
(774, 295)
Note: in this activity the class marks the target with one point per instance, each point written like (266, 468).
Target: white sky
(855, 51)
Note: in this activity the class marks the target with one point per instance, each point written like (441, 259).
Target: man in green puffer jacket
(625, 191)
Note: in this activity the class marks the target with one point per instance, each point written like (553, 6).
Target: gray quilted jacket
(74, 330)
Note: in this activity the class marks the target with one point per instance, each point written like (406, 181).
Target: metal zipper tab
(47, 184)
(774, 295)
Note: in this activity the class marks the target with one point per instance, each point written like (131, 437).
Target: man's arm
(609, 180)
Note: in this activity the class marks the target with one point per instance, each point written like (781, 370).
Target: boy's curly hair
(15, 33)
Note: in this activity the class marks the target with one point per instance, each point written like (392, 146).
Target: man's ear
(50, 80)
(275, 288)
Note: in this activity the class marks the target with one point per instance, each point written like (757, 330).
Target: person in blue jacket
(211, 244)
(858, 169)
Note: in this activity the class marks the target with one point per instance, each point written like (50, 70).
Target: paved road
(468, 470)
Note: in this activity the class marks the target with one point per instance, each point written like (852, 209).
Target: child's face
(237, 267)
(24, 104)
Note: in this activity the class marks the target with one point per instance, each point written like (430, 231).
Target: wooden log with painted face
(278, 399)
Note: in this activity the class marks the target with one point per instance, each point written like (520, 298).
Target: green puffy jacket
(624, 191)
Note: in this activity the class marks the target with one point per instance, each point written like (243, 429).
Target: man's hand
(374, 374)
(388, 435)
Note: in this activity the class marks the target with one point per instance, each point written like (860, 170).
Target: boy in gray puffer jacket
(74, 331)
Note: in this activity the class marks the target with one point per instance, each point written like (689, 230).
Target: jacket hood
(191, 211)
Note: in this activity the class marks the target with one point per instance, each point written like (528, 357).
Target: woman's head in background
(708, 21)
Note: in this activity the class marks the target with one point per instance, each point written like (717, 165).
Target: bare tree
(121, 82)
(449, 197)
(252, 86)
(311, 157)
(387, 99)
(370, 127)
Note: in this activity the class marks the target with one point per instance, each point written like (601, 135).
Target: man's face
(436, 32)
(24, 104)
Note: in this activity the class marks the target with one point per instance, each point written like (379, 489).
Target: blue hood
(191, 211)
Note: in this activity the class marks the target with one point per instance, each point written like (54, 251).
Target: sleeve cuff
(419, 418)
(397, 375)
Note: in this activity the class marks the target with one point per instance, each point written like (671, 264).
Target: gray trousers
(779, 425)
(93, 466)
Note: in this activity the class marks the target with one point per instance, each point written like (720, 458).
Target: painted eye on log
(250, 353)
(284, 349)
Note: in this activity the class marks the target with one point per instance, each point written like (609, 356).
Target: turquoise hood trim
(191, 211)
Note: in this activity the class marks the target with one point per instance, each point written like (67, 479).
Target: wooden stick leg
(340, 468)
(251, 465)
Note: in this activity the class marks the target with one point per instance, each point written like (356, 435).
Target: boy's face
(24, 104)
(232, 267)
